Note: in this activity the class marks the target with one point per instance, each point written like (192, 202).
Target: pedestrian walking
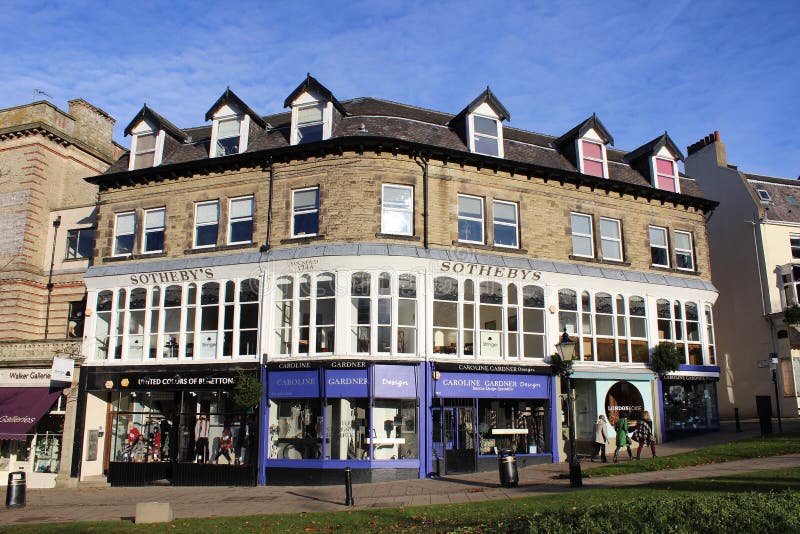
(644, 434)
(622, 436)
(600, 438)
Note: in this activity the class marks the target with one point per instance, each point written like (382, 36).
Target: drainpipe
(422, 161)
(56, 224)
(269, 202)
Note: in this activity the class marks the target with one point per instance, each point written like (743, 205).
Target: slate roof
(784, 205)
(150, 115)
(392, 120)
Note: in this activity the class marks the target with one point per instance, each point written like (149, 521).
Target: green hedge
(744, 513)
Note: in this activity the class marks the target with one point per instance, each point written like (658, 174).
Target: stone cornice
(44, 129)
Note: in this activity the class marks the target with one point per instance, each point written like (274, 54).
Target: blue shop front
(477, 410)
(324, 416)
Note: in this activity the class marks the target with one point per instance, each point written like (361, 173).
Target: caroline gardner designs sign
(395, 382)
(480, 385)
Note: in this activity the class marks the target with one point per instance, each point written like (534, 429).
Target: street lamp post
(566, 350)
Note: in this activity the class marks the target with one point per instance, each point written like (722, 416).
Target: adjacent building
(47, 218)
(754, 239)
(397, 277)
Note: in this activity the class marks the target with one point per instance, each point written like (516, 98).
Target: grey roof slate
(587, 270)
(567, 268)
(785, 195)
(281, 254)
(655, 278)
(365, 249)
(613, 274)
(341, 249)
(634, 276)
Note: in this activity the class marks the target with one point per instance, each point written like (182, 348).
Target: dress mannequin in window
(294, 430)
(201, 439)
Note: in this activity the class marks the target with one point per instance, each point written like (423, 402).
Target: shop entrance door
(454, 435)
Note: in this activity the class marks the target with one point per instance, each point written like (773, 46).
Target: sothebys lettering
(180, 275)
(489, 270)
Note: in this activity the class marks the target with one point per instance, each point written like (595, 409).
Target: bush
(665, 358)
(247, 391)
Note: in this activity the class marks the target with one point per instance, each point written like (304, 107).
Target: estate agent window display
(163, 427)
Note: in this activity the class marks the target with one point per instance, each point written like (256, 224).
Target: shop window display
(183, 426)
(512, 424)
(295, 429)
(394, 429)
(689, 405)
(347, 429)
(40, 452)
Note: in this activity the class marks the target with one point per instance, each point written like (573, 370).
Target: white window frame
(158, 150)
(196, 225)
(118, 235)
(244, 128)
(515, 225)
(305, 211)
(296, 132)
(232, 219)
(665, 247)
(480, 219)
(473, 134)
(612, 239)
(581, 157)
(590, 235)
(763, 195)
(409, 211)
(675, 171)
(794, 246)
(306, 100)
(683, 251)
(146, 230)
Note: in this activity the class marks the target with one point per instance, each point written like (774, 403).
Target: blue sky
(644, 67)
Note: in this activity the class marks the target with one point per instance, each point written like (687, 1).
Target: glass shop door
(454, 436)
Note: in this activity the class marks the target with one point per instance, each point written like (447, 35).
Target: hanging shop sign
(63, 370)
(395, 382)
(343, 383)
(491, 386)
(293, 384)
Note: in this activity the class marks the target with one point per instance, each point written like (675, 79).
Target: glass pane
(154, 219)
(581, 245)
(306, 199)
(658, 256)
(310, 134)
(326, 285)
(609, 228)
(658, 237)
(306, 223)
(397, 197)
(505, 235)
(145, 142)
(241, 207)
(228, 128)
(408, 286)
(206, 235)
(491, 293)
(309, 114)
(396, 222)
(125, 223)
(360, 285)
(612, 250)
(581, 224)
(485, 126)
(683, 260)
(469, 230)
(486, 145)
(470, 207)
(407, 312)
(664, 166)
(142, 161)
(445, 314)
(567, 299)
(123, 244)
(592, 150)
(207, 213)
(445, 288)
(593, 168)
(242, 231)
(504, 212)
(533, 297)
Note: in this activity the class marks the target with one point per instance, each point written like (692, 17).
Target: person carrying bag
(622, 436)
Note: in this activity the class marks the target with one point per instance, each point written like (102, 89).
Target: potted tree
(665, 358)
(247, 391)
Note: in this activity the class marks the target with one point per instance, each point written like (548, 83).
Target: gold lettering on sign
(490, 270)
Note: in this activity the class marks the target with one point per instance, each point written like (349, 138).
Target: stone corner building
(47, 217)
(397, 277)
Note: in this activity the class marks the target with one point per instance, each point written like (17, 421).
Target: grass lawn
(757, 447)
(498, 516)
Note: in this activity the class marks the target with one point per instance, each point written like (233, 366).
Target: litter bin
(15, 493)
(764, 410)
(507, 463)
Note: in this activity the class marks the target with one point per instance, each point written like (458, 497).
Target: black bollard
(738, 423)
(348, 488)
(15, 493)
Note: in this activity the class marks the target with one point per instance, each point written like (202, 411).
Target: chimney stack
(707, 140)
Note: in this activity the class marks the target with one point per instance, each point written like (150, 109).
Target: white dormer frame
(145, 128)
(224, 113)
(305, 100)
(665, 154)
(485, 111)
(591, 136)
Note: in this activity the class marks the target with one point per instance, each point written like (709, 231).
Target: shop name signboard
(339, 364)
(179, 275)
(182, 381)
(479, 385)
(487, 368)
(340, 383)
(25, 377)
(395, 382)
(293, 384)
(478, 269)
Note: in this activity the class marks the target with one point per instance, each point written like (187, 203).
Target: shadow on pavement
(309, 497)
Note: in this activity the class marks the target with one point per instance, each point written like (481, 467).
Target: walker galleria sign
(477, 269)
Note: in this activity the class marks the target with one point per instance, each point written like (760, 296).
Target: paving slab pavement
(105, 503)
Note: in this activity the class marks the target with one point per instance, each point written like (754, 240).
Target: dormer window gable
(658, 160)
(585, 146)
(148, 131)
(314, 110)
(230, 128)
(481, 124)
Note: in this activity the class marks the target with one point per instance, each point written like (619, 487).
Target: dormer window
(144, 150)
(592, 157)
(486, 138)
(228, 136)
(310, 123)
(666, 175)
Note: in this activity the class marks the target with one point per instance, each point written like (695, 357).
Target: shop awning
(21, 408)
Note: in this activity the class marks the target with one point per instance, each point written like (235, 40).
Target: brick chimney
(93, 126)
(711, 140)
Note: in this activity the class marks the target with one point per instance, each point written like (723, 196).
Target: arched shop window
(712, 352)
(178, 321)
